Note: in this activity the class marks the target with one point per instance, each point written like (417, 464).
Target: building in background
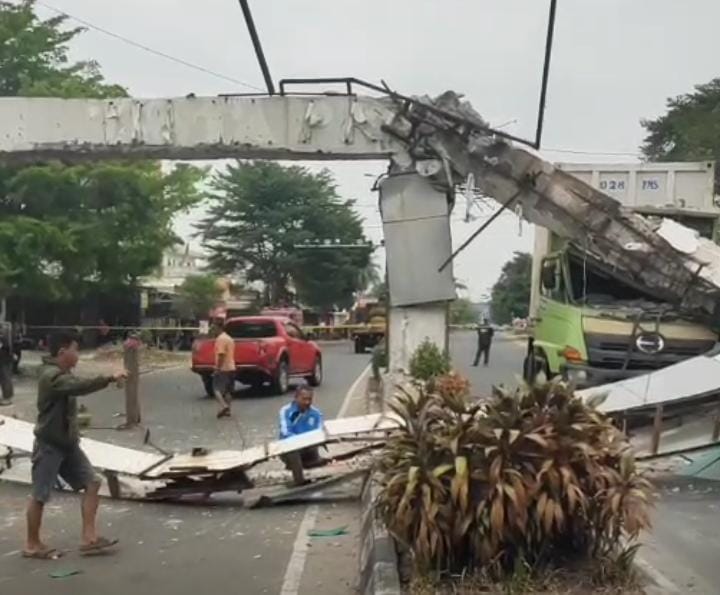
(178, 264)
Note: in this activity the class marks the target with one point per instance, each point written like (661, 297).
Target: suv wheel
(207, 380)
(281, 381)
(315, 379)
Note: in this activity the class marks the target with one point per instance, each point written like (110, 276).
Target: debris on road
(328, 532)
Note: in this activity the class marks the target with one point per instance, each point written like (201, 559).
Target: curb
(659, 583)
(378, 558)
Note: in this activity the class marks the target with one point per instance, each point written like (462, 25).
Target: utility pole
(131, 359)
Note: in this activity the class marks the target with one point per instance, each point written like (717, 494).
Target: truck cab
(592, 328)
(593, 325)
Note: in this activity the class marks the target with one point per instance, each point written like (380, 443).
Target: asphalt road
(188, 549)
(506, 358)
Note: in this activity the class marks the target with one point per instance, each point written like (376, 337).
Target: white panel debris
(692, 378)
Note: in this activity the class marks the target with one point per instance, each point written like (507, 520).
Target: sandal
(49, 553)
(97, 546)
(224, 412)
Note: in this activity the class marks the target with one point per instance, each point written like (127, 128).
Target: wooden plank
(298, 492)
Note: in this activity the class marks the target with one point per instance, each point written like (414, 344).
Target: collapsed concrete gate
(432, 146)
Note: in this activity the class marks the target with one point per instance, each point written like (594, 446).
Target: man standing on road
(224, 378)
(6, 366)
(485, 336)
(298, 417)
(57, 447)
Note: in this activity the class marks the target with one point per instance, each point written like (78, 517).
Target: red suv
(267, 349)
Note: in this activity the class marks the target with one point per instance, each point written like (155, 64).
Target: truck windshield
(592, 286)
(252, 330)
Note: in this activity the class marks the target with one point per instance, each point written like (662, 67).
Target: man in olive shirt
(57, 447)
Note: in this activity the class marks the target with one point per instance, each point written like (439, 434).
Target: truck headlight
(577, 376)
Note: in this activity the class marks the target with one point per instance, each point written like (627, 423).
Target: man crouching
(57, 451)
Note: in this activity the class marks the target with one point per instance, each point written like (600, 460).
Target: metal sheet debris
(132, 473)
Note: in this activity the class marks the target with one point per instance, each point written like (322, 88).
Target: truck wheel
(281, 380)
(315, 379)
(540, 365)
(207, 380)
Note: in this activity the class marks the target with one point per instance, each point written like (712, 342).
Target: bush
(428, 362)
(530, 478)
(379, 359)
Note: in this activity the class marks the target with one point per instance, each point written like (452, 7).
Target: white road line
(298, 558)
(351, 392)
(296, 566)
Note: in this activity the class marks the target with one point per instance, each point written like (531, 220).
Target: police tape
(81, 327)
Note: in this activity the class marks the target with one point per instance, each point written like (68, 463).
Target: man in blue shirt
(300, 416)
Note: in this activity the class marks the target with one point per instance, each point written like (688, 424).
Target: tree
(34, 58)
(689, 131)
(260, 212)
(67, 230)
(462, 312)
(198, 295)
(511, 294)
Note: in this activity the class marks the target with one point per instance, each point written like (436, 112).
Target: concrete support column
(416, 225)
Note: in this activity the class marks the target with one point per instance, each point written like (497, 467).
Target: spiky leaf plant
(537, 476)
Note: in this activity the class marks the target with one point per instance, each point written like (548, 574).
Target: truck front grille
(611, 352)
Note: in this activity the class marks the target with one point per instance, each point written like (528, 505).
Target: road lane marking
(298, 558)
(351, 391)
(296, 566)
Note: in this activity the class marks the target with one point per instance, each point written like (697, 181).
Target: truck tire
(207, 380)
(281, 380)
(540, 365)
(315, 379)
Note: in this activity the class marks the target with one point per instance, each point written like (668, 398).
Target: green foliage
(66, 229)
(379, 290)
(197, 296)
(534, 479)
(689, 131)
(462, 312)
(34, 58)
(428, 361)
(260, 211)
(379, 359)
(511, 294)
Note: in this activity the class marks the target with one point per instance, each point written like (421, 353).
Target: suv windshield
(252, 330)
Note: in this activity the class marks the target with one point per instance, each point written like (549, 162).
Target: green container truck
(592, 327)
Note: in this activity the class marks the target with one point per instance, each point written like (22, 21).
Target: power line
(146, 48)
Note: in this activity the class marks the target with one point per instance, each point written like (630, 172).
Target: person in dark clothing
(485, 336)
(57, 451)
(6, 367)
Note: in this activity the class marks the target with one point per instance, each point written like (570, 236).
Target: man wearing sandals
(57, 451)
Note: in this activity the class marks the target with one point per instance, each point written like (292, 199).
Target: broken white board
(695, 377)
(18, 435)
(362, 424)
(225, 460)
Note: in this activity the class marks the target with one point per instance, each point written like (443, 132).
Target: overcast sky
(614, 62)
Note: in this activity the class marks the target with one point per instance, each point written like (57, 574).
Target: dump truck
(590, 326)
(370, 316)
